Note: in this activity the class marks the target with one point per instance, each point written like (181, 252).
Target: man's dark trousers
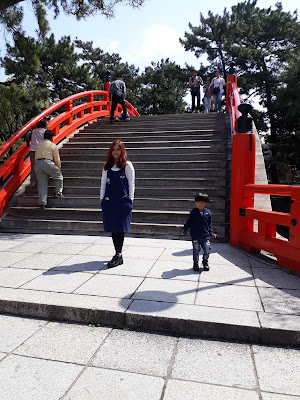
(114, 102)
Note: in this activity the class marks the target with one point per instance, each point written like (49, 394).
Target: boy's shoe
(115, 261)
(196, 267)
(205, 266)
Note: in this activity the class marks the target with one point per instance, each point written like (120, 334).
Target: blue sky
(141, 35)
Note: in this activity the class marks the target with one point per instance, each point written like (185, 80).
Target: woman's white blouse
(130, 175)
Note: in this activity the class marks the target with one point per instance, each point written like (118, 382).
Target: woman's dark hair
(48, 134)
(110, 161)
(43, 123)
(202, 197)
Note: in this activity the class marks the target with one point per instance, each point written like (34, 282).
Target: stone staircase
(175, 156)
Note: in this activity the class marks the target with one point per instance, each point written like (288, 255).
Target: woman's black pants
(118, 240)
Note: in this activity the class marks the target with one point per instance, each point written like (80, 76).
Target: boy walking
(199, 221)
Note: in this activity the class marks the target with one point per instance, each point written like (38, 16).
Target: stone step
(151, 191)
(86, 181)
(146, 173)
(195, 165)
(215, 204)
(146, 144)
(92, 214)
(96, 227)
(161, 136)
(137, 156)
(147, 150)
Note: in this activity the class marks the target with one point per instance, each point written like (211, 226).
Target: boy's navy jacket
(200, 224)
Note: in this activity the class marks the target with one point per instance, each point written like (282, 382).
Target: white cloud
(159, 41)
(113, 47)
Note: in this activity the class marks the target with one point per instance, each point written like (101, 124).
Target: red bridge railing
(16, 169)
(242, 211)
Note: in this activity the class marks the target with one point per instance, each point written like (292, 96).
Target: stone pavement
(61, 361)
(59, 277)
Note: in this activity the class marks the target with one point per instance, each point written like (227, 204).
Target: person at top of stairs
(117, 94)
(194, 83)
(47, 163)
(199, 221)
(116, 197)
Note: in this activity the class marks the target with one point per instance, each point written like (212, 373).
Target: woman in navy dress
(116, 197)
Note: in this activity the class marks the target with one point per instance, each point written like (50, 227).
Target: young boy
(199, 222)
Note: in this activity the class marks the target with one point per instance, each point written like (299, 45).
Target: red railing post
(243, 148)
(90, 99)
(107, 89)
(68, 108)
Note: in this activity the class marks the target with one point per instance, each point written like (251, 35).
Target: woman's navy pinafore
(116, 203)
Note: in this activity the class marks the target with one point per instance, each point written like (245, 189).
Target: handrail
(16, 169)
(242, 210)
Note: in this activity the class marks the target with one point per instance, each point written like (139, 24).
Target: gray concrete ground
(59, 277)
(54, 360)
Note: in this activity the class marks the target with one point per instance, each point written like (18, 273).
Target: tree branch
(8, 3)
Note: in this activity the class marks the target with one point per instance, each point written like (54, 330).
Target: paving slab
(41, 261)
(229, 274)
(272, 365)
(173, 254)
(57, 281)
(177, 389)
(232, 258)
(115, 385)
(81, 263)
(173, 270)
(280, 301)
(14, 278)
(276, 277)
(136, 352)
(172, 291)
(64, 342)
(31, 378)
(131, 267)
(15, 330)
(66, 248)
(8, 258)
(231, 364)
(29, 247)
(110, 286)
(229, 296)
(99, 250)
(151, 253)
(8, 244)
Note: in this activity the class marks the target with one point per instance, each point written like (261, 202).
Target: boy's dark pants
(114, 102)
(194, 96)
(197, 244)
